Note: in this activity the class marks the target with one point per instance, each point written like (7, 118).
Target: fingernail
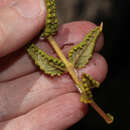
(29, 8)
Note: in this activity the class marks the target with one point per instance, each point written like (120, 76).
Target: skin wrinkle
(24, 113)
(11, 61)
(34, 94)
(72, 107)
(68, 111)
(17, 77)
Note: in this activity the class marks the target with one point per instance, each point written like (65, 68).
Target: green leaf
(88, 83)
(51, 25)
(81, 53)
(49, 64)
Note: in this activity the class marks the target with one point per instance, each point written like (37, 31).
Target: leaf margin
(35, 52)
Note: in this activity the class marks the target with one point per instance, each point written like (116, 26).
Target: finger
(58, 114)
(21, 95)
(20, 21)
(20, 64)
(97, 68)
(74, 32)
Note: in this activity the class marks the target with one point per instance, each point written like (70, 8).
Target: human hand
(30, 100)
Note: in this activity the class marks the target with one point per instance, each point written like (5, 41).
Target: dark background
(114, 94)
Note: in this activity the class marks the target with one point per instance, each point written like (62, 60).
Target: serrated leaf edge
(60, 65)
(83, 43)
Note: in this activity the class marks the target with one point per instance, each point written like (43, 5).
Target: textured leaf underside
(90, 81)
(88, 84)
(49, 64)
(51, 25)
(81, 53)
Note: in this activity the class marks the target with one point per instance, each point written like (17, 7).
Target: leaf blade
(49, 64)
(88, 83)
(51, 25)
(87, 79)
(81, 53)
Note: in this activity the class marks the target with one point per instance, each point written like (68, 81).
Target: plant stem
(73, 73)
(68, 65)
(107, 117)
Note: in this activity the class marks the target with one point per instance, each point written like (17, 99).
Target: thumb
(20, 21)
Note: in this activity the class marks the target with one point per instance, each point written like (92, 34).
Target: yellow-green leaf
(49, 64)
(81, 53)
(88, 83)
(51, 25)
(91, 83)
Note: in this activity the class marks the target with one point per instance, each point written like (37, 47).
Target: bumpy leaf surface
(51, 25)
(81, 53)
(49, 64)
(88, 83)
